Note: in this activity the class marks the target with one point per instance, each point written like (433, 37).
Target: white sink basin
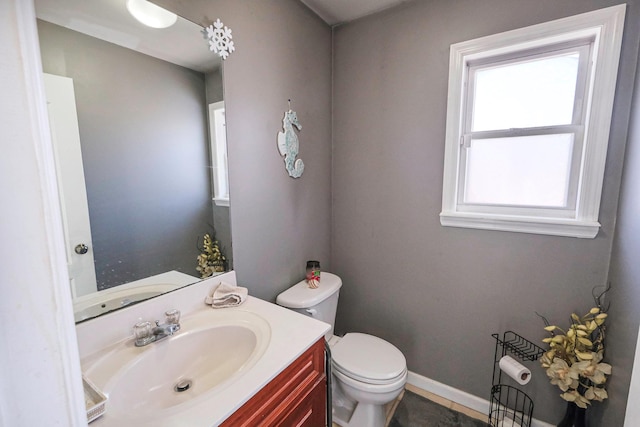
(212, 349)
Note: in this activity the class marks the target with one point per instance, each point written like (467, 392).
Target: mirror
(137, 157)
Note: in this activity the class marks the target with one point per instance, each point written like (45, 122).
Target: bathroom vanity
(296, 397)
(256, 364)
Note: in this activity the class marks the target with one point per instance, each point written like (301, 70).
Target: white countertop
(291, 335)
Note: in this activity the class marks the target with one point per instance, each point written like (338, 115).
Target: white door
(65, 135)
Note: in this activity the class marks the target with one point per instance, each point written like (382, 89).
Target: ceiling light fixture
(150, 14)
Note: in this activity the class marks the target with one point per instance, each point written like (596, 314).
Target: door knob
(81, 249)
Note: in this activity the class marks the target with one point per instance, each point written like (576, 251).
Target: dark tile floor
(416, 411)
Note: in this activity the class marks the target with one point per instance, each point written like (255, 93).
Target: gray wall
(144, 145)
(214, 87)
(282, 51)
(439, 293)
(625, 269)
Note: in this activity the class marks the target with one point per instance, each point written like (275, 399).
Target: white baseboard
(458, 396)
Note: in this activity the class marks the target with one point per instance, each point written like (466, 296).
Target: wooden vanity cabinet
(296, 397)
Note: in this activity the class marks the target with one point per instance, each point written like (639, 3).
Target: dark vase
(574, 416)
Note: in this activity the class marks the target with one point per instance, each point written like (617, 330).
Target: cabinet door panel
(310, 412)
(297, 396)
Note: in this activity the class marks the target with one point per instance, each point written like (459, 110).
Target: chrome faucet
(145, 333)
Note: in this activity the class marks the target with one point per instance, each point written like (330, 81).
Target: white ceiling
(182, 44)
(335, 12)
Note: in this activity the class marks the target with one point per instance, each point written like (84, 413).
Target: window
(218, 136)
(528, 126)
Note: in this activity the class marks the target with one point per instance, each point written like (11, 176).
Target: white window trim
(218, 159)
(605, 26)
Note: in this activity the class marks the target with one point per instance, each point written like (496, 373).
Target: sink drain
(183, 385)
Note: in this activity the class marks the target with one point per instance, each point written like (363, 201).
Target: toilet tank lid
(301, 295)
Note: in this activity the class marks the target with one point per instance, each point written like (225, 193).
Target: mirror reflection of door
(65, 135)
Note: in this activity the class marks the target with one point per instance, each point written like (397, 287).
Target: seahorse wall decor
(288, 144)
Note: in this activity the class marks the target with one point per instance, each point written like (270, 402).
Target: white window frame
(604, 27)
(218, 138)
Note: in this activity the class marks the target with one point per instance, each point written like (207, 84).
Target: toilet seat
(373, 389)
(338, 369)
(368, 359)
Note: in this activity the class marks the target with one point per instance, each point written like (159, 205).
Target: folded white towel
(225, 295)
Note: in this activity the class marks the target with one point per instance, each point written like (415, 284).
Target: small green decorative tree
(212, 259)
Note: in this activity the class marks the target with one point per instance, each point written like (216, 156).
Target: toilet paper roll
(508, 422)
(515, 370)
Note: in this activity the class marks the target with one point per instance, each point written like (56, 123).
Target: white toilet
(367, 372)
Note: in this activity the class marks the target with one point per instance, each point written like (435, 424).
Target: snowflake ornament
(219, 38)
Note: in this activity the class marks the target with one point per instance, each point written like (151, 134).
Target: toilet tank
(320, 303)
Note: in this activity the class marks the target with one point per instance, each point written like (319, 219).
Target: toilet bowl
(367, 372)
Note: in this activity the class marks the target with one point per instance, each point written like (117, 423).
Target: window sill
(518, 224)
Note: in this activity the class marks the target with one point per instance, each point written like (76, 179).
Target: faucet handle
(173, 317)
(142, 331)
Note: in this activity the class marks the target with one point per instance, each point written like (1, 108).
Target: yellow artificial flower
(575, 397)
(563, 375)
(596, 393)
(593, 369)
(573, 360)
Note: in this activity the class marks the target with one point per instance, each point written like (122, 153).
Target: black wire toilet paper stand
(510, 406)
